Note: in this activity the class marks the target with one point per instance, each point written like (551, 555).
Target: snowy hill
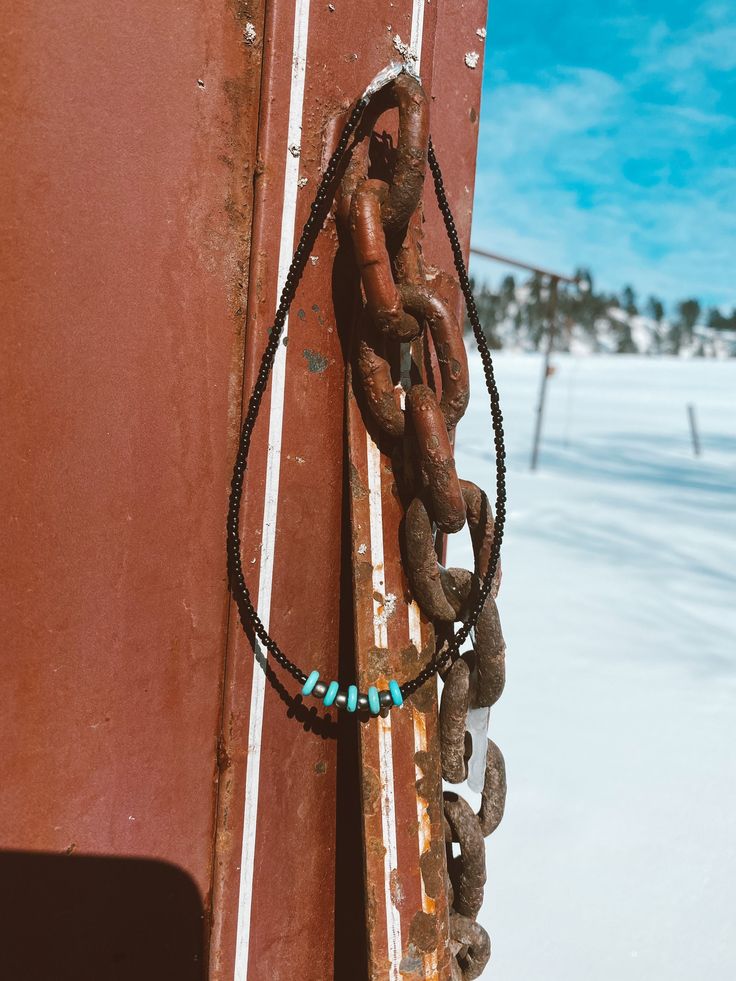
(515, 317)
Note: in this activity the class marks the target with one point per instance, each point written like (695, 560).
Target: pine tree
(718, 321)
(688, 313)
(628, 301)
(655, 309)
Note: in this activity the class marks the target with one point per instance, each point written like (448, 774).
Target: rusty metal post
(694, 434)
(546, 370)
(281, 791)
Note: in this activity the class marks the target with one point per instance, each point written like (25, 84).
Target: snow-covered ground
(616, 859)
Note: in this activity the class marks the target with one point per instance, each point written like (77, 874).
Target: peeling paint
(406, 52)
(249, 33)
(411, 962)
(372, 795)
(385, 610)
(481, 32)
(295, 150)
(357, 487)
(471, 59)
(397, 892)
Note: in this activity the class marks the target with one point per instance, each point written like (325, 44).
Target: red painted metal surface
(456, 95)
(144, 150)
(127, 166)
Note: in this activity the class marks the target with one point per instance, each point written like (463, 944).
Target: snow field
(616, 858)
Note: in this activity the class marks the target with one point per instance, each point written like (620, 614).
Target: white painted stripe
(415, 626)
(385, 746)
(375, 509)
(380, 630)
(417, 32)
(391, 854)
(273, 467)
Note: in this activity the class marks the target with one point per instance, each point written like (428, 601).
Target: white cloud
(700, 48)
(685, 60)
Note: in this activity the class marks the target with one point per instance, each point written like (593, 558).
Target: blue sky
(608, 140)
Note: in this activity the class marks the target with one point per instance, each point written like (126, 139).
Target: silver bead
(319, 690)
(363, 705)
(384, 697)
(341, 700)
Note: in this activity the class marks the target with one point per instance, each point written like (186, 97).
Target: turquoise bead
(373, 700)
(352, 698)
(393, 687)
(331, 693)
(310, 683)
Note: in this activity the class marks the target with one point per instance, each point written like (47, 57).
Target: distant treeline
(517, 315)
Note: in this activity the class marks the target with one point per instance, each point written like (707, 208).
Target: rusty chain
(407, 322)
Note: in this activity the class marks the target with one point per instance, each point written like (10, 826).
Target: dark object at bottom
(95, 918)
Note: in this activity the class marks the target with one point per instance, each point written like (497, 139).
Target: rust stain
(412, 963)
(371, 791)
(357, 487)
(376, 849)
(223, 757)
(432, 864)
(423, 932)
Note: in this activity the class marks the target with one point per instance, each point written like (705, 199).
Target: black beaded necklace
(373, 700)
